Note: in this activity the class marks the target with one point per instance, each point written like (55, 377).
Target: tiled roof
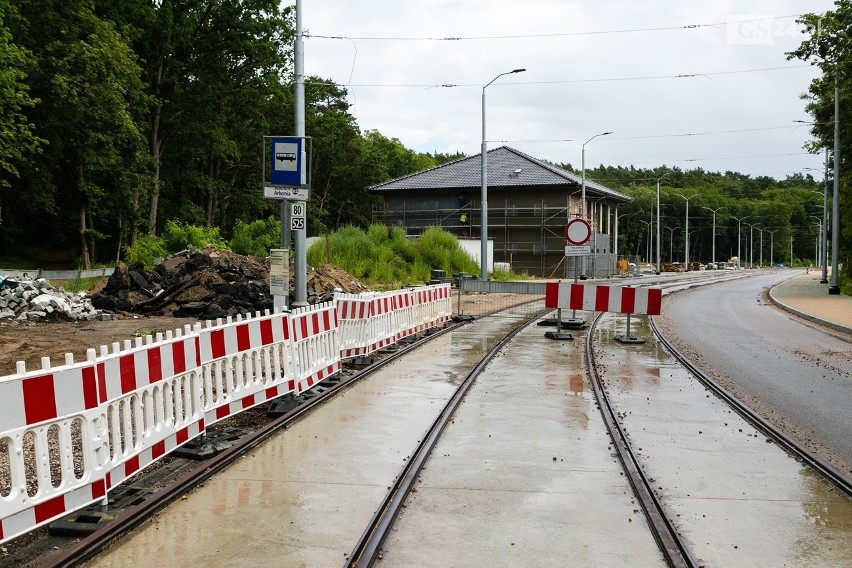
(507, 167)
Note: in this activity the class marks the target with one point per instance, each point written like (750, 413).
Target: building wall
(526, 225)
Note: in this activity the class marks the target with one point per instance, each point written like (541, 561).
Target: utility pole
(300, 261)
(834, 288)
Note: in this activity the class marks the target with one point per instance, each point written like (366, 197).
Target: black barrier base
(559, 335)
(85, 522)
(210, 444)
(629, 339)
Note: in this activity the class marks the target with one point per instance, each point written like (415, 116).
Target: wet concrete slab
(524, 475)
(304, 496)
(738, 499)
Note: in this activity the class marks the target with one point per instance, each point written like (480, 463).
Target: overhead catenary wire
(554, 34)
(563, 81)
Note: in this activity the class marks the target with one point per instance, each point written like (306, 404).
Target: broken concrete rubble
(38, 300)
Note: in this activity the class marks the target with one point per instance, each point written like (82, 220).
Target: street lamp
(658, 219)
(739, 239)
(616, 232)
(819, 250)
(484, 198)
(772, 245)
(824, 232)
(648, 240)
(671, 241)
(751, 244)
(583, 184)
(714, 231)
(834, 288)
(761, 244)
(686, 232)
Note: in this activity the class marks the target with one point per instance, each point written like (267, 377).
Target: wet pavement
(737, 499)
(303, 497)
(524, 475)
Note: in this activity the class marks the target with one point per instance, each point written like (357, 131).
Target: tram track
(802, 454)
(368, 547)
(665, 531)
(89, 547)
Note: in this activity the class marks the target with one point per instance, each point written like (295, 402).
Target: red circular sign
(578, 231)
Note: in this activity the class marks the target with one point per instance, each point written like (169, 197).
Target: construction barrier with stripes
(70, 434)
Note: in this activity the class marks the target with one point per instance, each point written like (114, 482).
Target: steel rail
(368, 547)
(675, 552)
(832, 474)
(93, 544)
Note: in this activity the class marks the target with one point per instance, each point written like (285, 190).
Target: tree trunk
(156, 147)
(85, 260)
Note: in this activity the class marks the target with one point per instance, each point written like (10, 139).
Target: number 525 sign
(297, 216)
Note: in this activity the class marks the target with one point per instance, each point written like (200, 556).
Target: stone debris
(37, 300)
(208, 283)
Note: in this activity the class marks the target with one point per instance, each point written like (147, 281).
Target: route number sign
(297, 216)
(578, 232)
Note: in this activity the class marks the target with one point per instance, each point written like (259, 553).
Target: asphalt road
(798, 377)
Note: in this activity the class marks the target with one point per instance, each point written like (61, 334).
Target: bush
(178, 236)
(145, 250)
(256, 238)
(385, 256)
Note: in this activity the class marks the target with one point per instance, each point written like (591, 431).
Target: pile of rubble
(37, 300)
(207, 284)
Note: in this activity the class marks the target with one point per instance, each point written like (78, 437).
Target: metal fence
(55, 274)
(479, 298)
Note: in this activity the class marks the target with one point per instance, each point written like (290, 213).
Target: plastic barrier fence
(70, 434)
(601, 298)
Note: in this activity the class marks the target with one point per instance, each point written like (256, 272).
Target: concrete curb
(806, 316)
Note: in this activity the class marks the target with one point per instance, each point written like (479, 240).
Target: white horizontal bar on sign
(578, 250)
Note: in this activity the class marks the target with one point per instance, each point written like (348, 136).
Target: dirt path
(29, 342)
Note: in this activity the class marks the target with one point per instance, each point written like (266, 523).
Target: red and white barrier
(316, 354)
(59, 405)
(355, 333)
(70, 434)
(245, 363)
(603, 298)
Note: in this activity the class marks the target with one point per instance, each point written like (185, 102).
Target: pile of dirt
(207, 284)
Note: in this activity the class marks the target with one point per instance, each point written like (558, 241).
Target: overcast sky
(591, 67)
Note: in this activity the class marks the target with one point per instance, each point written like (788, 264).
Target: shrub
(256, 238)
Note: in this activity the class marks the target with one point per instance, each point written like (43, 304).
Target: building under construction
(529, 204)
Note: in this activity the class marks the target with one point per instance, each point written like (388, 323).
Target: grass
(384, 257)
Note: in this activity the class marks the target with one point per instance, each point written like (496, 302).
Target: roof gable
(507, 168)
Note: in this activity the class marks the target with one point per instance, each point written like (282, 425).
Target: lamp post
(739, 238)
(483, 273)
(751, 244)
(714, 232)
(671, 242)
(616, 232)
(648, 240)
(819, 250)
(583, 186)
(772, 245)
(761, 244)
(658, 219)
(824, 230)
(834, 288)
(686, 232)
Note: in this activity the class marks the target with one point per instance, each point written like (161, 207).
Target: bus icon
(285, 156)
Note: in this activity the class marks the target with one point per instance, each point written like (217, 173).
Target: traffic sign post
(288, 179)
(577, 234)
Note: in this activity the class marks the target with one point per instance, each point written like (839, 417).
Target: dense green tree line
(784, 210)
(117, 116)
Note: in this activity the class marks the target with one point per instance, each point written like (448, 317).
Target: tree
(828, 45)
(18, 140)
